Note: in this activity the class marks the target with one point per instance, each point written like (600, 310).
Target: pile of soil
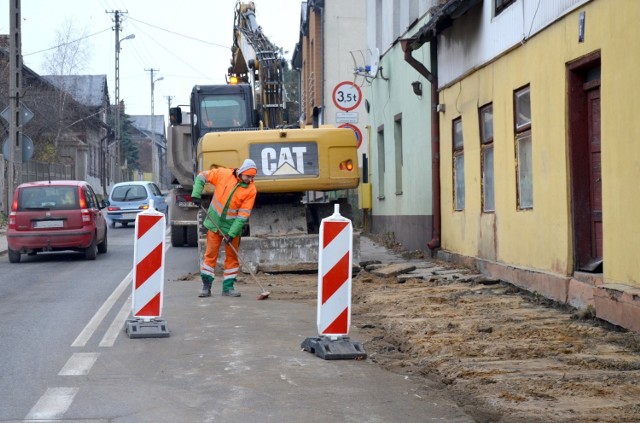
(503, 354)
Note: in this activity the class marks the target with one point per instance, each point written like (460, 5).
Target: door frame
(579, 160)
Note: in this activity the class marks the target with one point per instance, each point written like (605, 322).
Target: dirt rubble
(505, 355)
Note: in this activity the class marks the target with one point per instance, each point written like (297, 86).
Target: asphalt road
(65, 356)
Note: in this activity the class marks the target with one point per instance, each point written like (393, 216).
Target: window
(486, 141)
(524, 148)
(381, 163)
(458, 165)
(500, 5)
(222, 111)
(397, 135)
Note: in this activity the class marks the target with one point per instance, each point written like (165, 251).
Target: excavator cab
(218, 108)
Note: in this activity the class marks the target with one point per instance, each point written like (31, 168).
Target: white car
(127, 199)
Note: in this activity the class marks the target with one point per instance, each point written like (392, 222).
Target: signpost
(347, 96)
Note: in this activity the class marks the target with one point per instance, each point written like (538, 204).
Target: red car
(56, 216)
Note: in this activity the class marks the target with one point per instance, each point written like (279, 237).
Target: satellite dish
(375, 62)
(27, 148)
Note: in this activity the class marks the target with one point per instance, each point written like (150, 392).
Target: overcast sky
(187, 41)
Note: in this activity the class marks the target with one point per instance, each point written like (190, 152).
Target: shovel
(265, 294)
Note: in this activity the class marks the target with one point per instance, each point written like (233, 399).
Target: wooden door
(595, 168)
(585, 162)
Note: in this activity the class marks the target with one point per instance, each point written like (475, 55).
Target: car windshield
(48, 198)
(128, 193)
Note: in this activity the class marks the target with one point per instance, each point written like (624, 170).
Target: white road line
(116, 327)
(110, 336)
(95, 321)
(53, 404)
(79, 364)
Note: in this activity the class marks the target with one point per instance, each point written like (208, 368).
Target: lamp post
(117, 92)
(153, 84)
(155, 157)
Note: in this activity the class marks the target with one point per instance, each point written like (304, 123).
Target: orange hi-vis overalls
(230, 207)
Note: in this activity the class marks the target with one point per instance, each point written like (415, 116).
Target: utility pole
(169, 98)
(15, 93)
(153, 86)
(118, 19)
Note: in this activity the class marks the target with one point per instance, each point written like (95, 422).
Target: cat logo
(286, 159)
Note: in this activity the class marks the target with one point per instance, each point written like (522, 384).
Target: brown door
(595, 177)
(585, 162)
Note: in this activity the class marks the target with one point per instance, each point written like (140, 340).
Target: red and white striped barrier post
(148, 276)
(334, 275)
(334, 291)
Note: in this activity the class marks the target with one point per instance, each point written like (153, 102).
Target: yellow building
(539, 146)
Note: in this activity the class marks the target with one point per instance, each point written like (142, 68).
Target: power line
(181, 35)
(68, 43)
(172, 53)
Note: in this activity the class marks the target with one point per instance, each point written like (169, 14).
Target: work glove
(228, 239)
(197, 201)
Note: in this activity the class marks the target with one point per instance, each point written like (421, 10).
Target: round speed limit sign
(347, 96)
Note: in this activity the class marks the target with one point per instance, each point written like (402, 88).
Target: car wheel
(113, 224)
(91, 252)
(102, 247)
(14, 256)
(125, 224)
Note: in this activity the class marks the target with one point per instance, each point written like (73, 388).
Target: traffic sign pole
(15, 93)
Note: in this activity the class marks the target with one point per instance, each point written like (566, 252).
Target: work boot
(231, 293)
(206, 286)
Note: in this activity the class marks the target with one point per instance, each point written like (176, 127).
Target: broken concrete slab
(423, 274)
(394, 269)
(366, 263)
(449, 272)
(373, 267)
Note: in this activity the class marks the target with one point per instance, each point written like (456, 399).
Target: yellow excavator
(245, 119)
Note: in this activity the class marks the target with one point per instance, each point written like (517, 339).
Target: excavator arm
(256, 61)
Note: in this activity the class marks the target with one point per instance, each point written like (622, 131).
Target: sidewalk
(3, 241)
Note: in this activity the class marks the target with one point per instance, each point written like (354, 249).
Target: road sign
(347, 96)
(27, 149)
(346, 117)
(27, 114)
(355, 129)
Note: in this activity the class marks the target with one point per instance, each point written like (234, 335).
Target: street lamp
(153, 84)
(117, 92)
(155, 157)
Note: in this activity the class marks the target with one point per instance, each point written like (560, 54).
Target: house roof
(441, 19)
(150, 125)
(26, 69)
(89, 90)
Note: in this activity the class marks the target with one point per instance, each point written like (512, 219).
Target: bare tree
(69, 58)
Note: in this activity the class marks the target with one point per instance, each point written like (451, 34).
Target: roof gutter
(408, 46)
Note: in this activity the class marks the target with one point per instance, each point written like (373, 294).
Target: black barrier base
(139, 328)
(340, 348)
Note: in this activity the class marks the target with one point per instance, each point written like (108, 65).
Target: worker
(233, 198)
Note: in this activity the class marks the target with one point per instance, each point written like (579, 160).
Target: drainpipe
(435, 130)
